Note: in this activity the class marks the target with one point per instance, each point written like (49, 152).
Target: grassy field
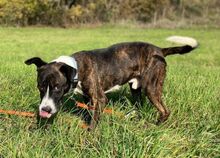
(191, 92)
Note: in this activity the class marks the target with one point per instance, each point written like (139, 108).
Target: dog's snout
(47, 109)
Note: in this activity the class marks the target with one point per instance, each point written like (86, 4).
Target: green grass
(191, 92)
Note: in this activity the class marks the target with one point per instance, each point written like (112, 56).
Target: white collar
(70, 61)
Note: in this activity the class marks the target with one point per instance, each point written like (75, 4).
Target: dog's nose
(47, 109)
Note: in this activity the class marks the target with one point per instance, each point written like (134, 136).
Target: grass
(191, 91)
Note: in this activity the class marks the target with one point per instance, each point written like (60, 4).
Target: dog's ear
(68, 71)
(35, 60)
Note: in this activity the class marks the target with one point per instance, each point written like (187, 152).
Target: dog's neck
(70, 61)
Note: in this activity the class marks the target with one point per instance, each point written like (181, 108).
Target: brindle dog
(140, 64)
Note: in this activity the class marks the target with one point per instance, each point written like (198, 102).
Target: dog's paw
(162, 118)
(90, 128)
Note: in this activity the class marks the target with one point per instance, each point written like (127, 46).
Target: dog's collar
(70, 61)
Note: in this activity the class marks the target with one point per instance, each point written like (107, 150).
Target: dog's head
(53, 81)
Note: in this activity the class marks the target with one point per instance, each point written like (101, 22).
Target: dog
(96, 72)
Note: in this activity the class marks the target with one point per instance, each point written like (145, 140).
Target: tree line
(70, 12)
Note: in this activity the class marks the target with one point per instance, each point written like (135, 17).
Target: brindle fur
(101, 69)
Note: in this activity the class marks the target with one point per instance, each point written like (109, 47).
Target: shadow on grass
(121, 99)
(70, 106)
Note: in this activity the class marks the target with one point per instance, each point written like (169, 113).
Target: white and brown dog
(95, 72)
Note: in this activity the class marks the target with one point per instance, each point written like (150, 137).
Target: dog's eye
(56, 88)
(41, 89)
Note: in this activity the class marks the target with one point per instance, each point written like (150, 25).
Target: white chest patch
(78, 89)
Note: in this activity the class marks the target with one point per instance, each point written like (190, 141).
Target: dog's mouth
(45, 114)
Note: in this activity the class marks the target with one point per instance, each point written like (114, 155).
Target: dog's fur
(140, 64)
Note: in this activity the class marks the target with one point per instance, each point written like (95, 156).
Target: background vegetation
(71, 12)
(191, 92)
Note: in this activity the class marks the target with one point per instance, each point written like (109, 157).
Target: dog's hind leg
(136, 100)
(136, 96)
(153, 88)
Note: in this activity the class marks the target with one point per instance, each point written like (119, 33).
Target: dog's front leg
(99, 103)
(98, 98)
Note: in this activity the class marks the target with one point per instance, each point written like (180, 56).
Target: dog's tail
(188, 42)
